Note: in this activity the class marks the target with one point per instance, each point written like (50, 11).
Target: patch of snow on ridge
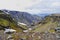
(21, 23)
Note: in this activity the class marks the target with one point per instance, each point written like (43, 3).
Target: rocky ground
(29, 36)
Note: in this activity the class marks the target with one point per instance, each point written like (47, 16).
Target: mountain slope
(45, 27)
(6, 21)
(51, 21)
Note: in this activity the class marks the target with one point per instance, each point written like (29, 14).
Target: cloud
(8, 4)
(33, 11)
(48, 6)
(17, 4)
(56, 4)
(31, 6)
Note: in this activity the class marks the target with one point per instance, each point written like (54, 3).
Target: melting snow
(21, 23)
(9, 30)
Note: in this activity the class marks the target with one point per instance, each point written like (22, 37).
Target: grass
(4, 22)
(45, 27)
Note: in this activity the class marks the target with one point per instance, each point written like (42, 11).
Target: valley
(15, 25)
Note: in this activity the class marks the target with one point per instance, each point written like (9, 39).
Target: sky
(32, 6)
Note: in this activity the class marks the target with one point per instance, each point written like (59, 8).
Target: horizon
(29, 12)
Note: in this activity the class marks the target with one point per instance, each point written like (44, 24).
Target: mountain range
(23, 17)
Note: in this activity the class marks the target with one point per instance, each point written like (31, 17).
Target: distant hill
(42, 14)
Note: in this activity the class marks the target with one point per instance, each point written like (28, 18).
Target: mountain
(43, 14)
(6, 21)
(17, 20)
(23, 17)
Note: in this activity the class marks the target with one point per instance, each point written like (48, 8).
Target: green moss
(4, 22)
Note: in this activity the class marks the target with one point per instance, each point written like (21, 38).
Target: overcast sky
(32, 6)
